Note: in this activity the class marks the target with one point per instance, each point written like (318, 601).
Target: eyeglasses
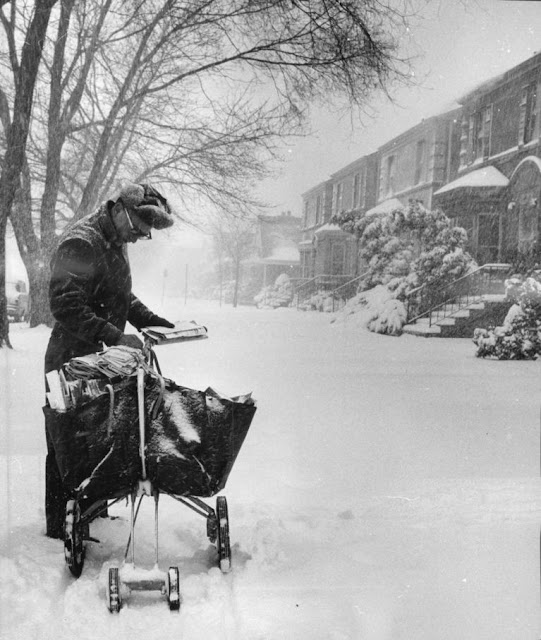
(137, 232)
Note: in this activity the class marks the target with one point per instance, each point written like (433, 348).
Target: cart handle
(141, 408)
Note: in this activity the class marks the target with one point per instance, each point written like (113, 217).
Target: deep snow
(388, 490)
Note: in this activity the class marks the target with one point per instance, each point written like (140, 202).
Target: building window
(488, 234)
(356, 190)
(420, 162)
(481, 133)
(475, 136)
(388, 187)
(319, 210)
(359, 189)
(338, 193)
(338, 258)
(464, 134)
(527, 121)
(305, 215)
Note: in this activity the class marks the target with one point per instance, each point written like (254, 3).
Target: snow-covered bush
(404, 249)
(412, 244)
(519, 338)
(377, 310)
(319, 301)
(279, 294)
(388, 318)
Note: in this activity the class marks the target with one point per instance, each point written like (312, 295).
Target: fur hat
(148, 204)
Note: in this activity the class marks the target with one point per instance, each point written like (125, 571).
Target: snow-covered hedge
(519, 338)
(319, 301)
(413, 244)
(404, 249)
(279, 294)
(377, 310)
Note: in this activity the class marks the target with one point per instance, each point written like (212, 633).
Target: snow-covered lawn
(388, 490)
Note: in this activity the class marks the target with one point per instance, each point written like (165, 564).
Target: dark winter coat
(90, 291)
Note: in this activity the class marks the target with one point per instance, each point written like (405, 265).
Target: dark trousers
(55, 494)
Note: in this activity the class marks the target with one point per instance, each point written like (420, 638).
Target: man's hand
(131, 340)
(161, 322)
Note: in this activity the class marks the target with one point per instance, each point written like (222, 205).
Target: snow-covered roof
(385, 207)
(328, 227)
(485, 177)
(280, 255)
(289, 254)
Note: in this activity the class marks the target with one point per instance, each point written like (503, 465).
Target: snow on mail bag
(195, 439)
(192, 439)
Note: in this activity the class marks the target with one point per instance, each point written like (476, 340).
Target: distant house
(326, 250)
(276, 250)
(316, 207)
(496, 188)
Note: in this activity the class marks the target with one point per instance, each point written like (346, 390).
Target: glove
(131, 340)
(160, 322)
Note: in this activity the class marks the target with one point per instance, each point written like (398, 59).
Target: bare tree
(233, 239)
(194, 93)
(25, 74)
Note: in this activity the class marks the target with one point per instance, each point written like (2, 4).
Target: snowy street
(388, 490)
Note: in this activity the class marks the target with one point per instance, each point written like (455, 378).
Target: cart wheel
(74, 551)
(173, 589)
(223, 544)
(114, 599)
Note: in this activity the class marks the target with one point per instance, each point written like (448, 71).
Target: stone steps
(461, 323)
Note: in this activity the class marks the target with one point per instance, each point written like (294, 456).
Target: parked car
(17, 300)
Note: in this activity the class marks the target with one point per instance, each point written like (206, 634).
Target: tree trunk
(237, 282)
(17, 135)
(38, 278)
(34, 254)
(4, 324)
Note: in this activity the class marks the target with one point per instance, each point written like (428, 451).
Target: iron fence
(440, 299)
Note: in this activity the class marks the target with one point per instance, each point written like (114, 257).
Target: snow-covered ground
(388, 490)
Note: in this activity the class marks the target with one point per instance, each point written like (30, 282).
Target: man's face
(130, 227)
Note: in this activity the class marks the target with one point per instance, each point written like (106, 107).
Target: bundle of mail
(183, 330)
(86, 377)
(110, 363)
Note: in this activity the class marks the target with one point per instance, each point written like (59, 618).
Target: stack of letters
(184, 330)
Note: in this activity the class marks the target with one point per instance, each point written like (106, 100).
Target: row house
(479, 161)
(411, 166)
(325, 249)
(317, 207)
(417, 163)
(497, 185)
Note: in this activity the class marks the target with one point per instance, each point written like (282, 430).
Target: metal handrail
(452, 296)
(335, 292)
(349, 282)
(320, 281)
(303, 284)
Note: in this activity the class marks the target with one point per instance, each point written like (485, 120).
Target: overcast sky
(458, 44)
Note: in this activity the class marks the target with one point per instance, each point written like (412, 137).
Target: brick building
(415, 164)
(495, 190)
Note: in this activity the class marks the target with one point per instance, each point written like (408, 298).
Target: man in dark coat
(91, 298)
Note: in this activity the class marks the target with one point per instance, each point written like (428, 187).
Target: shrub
(519, 338)
(279, 294)
(404, 249)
